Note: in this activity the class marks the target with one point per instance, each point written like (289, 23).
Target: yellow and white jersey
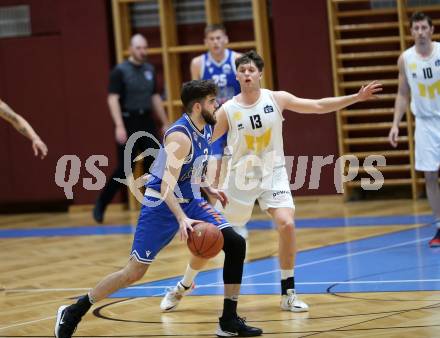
(255, 138)
(423, 76)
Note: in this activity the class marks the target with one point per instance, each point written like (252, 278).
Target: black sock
(82, 305)
(287, 284)
(229, 308)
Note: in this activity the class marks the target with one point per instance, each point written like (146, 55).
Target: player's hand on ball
(369, 91)
(185, 225)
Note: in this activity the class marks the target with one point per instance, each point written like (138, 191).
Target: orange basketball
(205, 241)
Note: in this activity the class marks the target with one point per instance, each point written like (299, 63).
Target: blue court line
(253, 225)
(399, 261)
(68, 231)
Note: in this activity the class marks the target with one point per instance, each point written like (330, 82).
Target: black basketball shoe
(67, 321)
(236, 327)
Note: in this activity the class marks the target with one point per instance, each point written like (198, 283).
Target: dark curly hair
(248, 57)
(196, 91)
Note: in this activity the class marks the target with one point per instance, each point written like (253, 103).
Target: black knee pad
(235, 251)
(234, 244)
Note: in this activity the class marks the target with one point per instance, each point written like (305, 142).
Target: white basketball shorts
(271, 192)
(427, 143)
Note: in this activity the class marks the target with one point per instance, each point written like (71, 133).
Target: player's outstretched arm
(288, 101)
(23, 126)
(177, 147)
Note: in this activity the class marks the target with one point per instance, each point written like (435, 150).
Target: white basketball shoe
(291, 302)
(173, 296)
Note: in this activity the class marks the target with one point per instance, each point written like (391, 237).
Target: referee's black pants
(132, 125)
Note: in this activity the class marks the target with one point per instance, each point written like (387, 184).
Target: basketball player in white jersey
(419, 77)
(253, 120)
(23, 127)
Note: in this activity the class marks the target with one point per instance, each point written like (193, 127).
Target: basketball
(205, 241)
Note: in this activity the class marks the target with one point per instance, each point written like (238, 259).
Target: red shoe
(435, 241)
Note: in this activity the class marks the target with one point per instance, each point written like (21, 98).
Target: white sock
(91, 299)
(287, 273)
(189, 276)
(233, 298)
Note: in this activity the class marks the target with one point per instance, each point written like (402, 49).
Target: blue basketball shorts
(157, 226)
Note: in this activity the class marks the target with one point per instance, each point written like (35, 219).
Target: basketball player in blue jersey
(218, 64)
(172, 204)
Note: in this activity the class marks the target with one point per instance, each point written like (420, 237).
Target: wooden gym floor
(364, 268)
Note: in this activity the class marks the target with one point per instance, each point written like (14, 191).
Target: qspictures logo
(252, 171)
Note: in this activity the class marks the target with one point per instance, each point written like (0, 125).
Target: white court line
(244, 277)
(30, 322)
(161, 287)
(267, 272)
(87, 289)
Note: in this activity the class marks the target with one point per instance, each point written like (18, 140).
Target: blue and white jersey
(195, 164)
(222, 73)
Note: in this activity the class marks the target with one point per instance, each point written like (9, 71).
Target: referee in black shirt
(133, 99)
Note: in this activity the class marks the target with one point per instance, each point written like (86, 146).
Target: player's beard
(208, 117)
